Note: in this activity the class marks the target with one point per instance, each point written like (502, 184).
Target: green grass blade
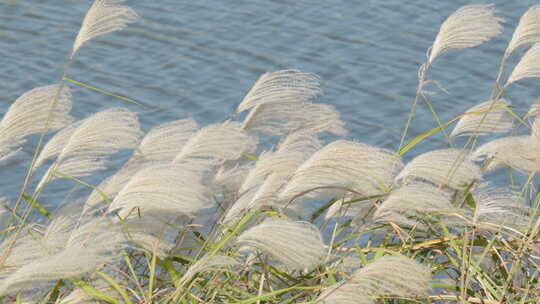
(84, 85)
(94, 293)
(36, 205)
(116, 287)
(424, 135)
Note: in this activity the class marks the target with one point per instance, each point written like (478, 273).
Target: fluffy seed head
(414, 200)
(386, 276)
(527, 31)
(518, 152)
(298, 245)
(447, 167)
(469, 26)
(103, 17)
(528, 66)
(485, 118)
(362, 167)
(286, 86)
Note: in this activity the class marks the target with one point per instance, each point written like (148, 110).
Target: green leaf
(424, 135)
(55, 292)
(116, 287)
(250, 156)
(36, 205)
(94, 293)
(84, 85)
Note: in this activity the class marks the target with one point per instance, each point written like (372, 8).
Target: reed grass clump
(216, 215)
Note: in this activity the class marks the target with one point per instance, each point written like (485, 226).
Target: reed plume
(489, 117)
(206, 263)
(286, 86)
(343, 164)
(387, 276)
(103, 17)
(214, 144)
(469, 26)
(162, 188)
(91, 141)
(448, 167)
(32, 113)
(518, 152)
(84, 248)
(164, 142)
(298, 245)
(527, 30)
(279, 118)
(414, 200)
(527, 67)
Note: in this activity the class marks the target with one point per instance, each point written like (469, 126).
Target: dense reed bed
(219, 214)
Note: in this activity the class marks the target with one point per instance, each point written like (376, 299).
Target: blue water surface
(198, 58)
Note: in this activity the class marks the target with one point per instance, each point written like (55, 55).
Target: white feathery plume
(206, 263)
(386, 276)
(153, 229)
(214, 144)
(519, 152)
(31, 113)
(359, 166)
(279, 118)
(265, 194)
(62, 265)
(8, 150)
(103, 17)
(57, 233)
(86, 247)
(414, 200)
(271, 172)
(535, 129)
(28, 247)
(3, 203)
(485, 118)
(164, 188)
(447, 167)
(244, 203)
(98, 234)
(268, 163)
(162, 143)
(97, 137)
(111, 186)
(298, 245)
(68, 263)
(227, 181)
(469, 26)
(285, 86)
(528, 66)
(37, 241)
(534, 110)
(499, 206)
(291, 152)
(527, 30)
(300, 141)
(57, 143)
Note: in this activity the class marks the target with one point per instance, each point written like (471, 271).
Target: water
(198, 58)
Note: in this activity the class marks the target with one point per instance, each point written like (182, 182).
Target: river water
(198, 58)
